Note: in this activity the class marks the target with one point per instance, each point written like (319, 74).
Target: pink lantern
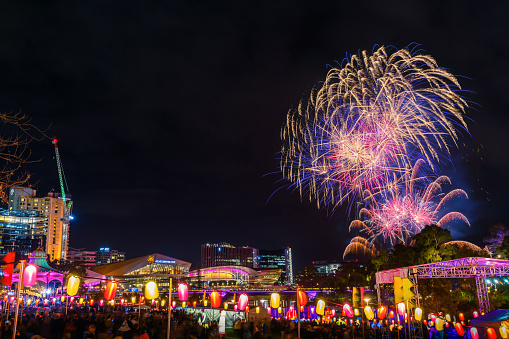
(72, 300)
(235, 308)
(473, 333)
(401, 309)
(268, 310)
(333, 313)
(433, 318)
(152, 302)
(183, 292)
(30, 275)
(173, 304)
(348, 310)
(101, 302)
(122, 301)
(54, 301)
(46, 301)
(243, 300)
(476, 314)
(312, 310)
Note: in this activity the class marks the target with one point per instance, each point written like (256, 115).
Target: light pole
(362, 316)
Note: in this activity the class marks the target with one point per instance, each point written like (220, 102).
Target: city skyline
(168, 116)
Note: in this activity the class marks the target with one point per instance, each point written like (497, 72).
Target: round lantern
(368, 311)
(195, 303)
(381, 312)
(110, 291)
(462, 317)
(491, 333)
(151, 290)
(474, 333)
(459, 329)
(348, 310)
(418, 314)
(274, 300)
(30, 275)
(320, 307)
(503, 332)
(183, 292)
(243, 300)
(301, 295)
(215, 299)
(401, 309)
(439, 324)
(73, 283)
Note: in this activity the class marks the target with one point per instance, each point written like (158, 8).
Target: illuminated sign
(166, 262)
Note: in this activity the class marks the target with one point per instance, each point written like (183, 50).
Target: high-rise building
(105, 255)
(80, 256)
(224, 254)
(326, 267)
(21, 231)
(280, 259)
(52, 208)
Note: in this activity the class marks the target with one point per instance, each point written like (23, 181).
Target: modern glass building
(224, 254)
(21, 231)
(277, 259)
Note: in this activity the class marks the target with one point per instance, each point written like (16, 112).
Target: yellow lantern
(29, 301)
(418, 314)
(205, 302)
(280, 310)
(151, 290)
(73, 283)
(320, 307)
(448, 317)
(356, 311)
(62, 299)
(225, 306)
(439, 324)
(370, 314)
(257, 309)
(183, 304)
(133, 300)
(274, 300)
(503, 332)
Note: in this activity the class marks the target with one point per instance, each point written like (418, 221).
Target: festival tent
(493, 319)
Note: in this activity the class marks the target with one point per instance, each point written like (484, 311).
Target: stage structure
(471, 267)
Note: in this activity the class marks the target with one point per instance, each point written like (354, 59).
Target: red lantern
(491, 333)
(473, 333)
(462, 317)
(110, 291)
(343, 312)
(30, 275)
(381, 312)
(243, 300)
(301, 295)
(183, 292)
(194, 303)
(391, 314)
(215, 299)
(459, 329)
(101, 302)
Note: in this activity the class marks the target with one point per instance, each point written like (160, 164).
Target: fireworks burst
(368, 122)
(409, 204)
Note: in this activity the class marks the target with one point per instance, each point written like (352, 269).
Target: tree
(503, 249)
(496, 236)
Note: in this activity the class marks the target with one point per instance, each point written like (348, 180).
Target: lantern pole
(169, 310)
(298, 314)
(139, 308)
(18, 292)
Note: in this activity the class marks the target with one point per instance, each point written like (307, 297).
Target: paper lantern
(462, 323)
(257, 309)
(448, 317)
(491, 333)
(152, 302)
(205, 302)
(62, 299)
(274, 300)
(110, 291)
(348, 310)
(243, 300)
(29, 301)
(195, 303)
(401, 309)
(122, 302)
(459, 329)
(173, 304)
(235, 308)
(381, 312)
(476, 314)
(151, 290)
(183, 292)
(439, 324)
(215, 299)
(91, 302)
(225, 306)
(368, 311)
(320, 307)
(46, 301)
(54, 301)
(183, 304)
(474, 333)
(462, 317)
(37, 301)
(312, 310)
(101, 302)
(503, 332)
(418, 314)
(142, 299)
(302, 298)
(433, 317)
(30, 275)
(268, 310)
(334, 312)
(247, 309)
(279, 310)
(81, 300)
(355, 312)
(73, 283)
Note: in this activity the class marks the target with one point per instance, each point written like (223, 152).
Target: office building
(277, 259)
(82, 257)
(53, 209)
(224, 254)
(105, 255)
(326, 267)
(21, 231)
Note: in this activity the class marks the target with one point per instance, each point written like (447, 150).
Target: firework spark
(402, 211)
(368, 122)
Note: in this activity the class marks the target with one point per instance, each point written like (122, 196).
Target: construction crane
(67, 201)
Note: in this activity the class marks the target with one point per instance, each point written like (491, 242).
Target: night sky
(168, 114)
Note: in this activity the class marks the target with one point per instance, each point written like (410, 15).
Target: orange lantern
(30, 275)
(215, 299)
(462, 317)
(459, 329)
(302, 309)
(474, 333)
(381, 312)
(348, 310)
(195, 303)
(243, 300)
(301, 295)
(491, 333)
(247, 309)
(37, 301)
(73, 283)
(110, 291)
(391, 314)
(91, 302)
(183, 292)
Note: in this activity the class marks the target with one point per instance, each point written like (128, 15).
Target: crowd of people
(84, 324)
